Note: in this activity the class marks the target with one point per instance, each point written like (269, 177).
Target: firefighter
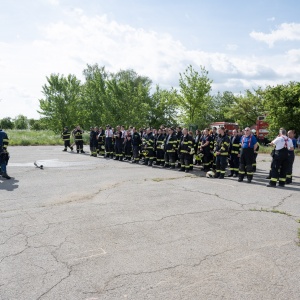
(234, 154)
(160, 153)
(93, 141)
(66, 135)
(289, 172)
(221, 153)
(101, 142)
(248, 146)
(184, 150)
(214, 135)
(204, 149)
(118, 144)
(4, 156)
(283, 145)
(177, 154)
(192, 152)
(149, 147)
(255, 152)
(108, 142)
(78, 139)
(196, 147)
(136, 146)
(128, 146)
(170, 147)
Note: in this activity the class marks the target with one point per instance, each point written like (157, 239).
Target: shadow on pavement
(8, 184)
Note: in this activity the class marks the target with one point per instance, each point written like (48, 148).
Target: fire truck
(228, 126)
(262, 129)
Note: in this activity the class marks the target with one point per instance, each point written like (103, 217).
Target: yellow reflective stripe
(274, 179)
(282, 179)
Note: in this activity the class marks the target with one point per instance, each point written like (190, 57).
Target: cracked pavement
(90, 228)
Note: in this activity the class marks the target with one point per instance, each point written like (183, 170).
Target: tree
(282, 104)
(164, 108)
(21, 122)
(222, 103)
(246, 108)
(6, 123)
(62, 102)
(194, 97)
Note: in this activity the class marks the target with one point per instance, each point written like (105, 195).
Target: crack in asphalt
(282, 201)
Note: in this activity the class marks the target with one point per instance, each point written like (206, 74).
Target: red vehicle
(228, 126)
(262, 129)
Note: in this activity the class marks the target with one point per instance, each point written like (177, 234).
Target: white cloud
(53, 2)
(67, 46)
(285, 32)
(272, 19)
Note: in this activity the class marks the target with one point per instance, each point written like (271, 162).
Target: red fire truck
(262, 129)
(228, 126)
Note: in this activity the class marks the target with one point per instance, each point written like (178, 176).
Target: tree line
(128, 98)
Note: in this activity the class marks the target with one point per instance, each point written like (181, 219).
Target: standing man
(160, 153)
(118, 143)
(136, 146)
(185, 147)
(101, 142)
(66, 135)
(4, 156)
(149, 147)
(204, 149)
(108, 142)
(170, 147)
(93, 141)
(234, 154)
(283, 145)
(289, 172)
(248, 146)
(221, 152)
(78, 139)
(256, 151)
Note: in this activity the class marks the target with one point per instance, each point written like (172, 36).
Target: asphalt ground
(93, 228)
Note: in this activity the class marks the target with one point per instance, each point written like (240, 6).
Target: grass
(35, 138)
(274, 211)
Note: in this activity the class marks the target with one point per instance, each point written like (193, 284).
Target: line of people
(213, 149)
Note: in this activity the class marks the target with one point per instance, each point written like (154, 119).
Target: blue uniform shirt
(248, 141)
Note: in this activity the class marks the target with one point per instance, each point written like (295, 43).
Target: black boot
(65, 150)
(221, 176)
(4, 175)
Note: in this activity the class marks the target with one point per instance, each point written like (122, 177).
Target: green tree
(21, 122)
(164, 108)
(194, 97)
(222, 103)
(282, 104)
(6, 123)
(246, 108)
(62, 101)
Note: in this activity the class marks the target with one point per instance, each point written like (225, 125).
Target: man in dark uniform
(78, 139)
(248, 146)
(66, 138)
(234, 154)
(136, 145)
(184, 149)
(160, 153)
(177, 154)
(118, 143)
(93, 141)
(255, 152)
(128, 146)
(170, 147)
(101, 142)
(196, 147)
(204, 149)
(283, 145)
(221, 153)
(289, 171)
(4, 156)
(149, 147)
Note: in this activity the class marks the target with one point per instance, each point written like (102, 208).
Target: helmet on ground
(210, 174)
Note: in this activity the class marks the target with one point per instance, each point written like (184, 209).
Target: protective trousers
(280, 162)
(246, 160)
(221, 163)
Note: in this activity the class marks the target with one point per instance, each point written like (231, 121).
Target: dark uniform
(118, 145)
(289, 171)
(280, 161)
(170, 147)
(234, 151)
(149, 148)
(205, 151)
(136, 146)
(78, 140)
(93, 143)
(177, 154)
(196, 147)
(184, 149)
(66, 135)
(247, 157)
(101, 143)
(4, 156)
(255, 155)
(222, 146)
(128, 147)
(160, 153)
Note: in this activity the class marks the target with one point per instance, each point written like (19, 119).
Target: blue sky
(243, 44)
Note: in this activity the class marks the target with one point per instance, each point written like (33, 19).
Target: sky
(242, 44)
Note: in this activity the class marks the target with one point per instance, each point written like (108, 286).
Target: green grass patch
(274, 211)
(35, 138)
(268, 150)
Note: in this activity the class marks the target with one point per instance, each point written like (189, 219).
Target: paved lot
(91, 228)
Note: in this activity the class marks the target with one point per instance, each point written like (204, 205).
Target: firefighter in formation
(213, 150)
